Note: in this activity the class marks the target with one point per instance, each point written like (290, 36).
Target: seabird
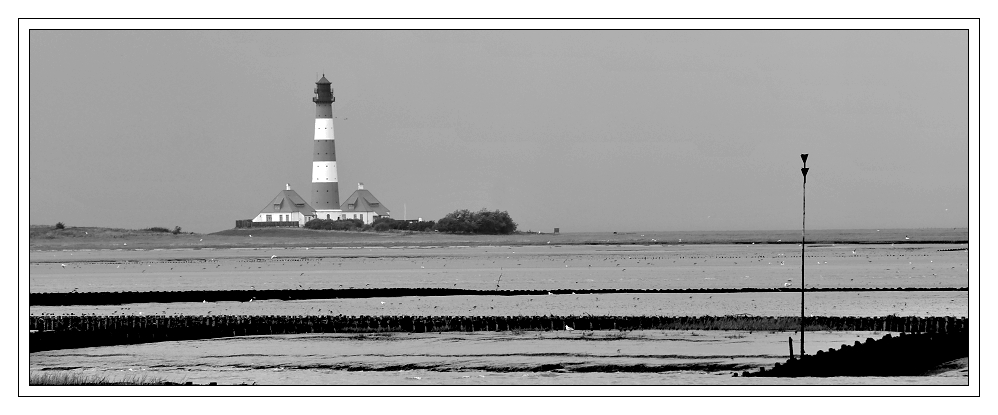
(569, 328)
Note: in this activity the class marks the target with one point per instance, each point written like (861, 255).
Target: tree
(60, 225)
(481, 222)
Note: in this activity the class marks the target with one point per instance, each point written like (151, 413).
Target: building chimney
(360, 186)
(287, 186)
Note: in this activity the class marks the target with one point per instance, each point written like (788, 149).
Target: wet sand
(646, 357)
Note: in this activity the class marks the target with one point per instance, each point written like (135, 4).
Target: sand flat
(523, 267)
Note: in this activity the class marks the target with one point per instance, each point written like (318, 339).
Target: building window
(327, 216)
(268, 218)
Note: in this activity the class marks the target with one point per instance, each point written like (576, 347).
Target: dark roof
(363, 201)
(323, 80)
(288, 201)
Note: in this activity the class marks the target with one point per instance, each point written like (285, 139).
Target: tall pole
(803, 215)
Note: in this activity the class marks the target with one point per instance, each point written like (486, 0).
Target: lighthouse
(325, 185)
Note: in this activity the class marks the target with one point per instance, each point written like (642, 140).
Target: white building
(364, 206)
(288, 206)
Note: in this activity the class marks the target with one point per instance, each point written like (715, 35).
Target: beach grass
(45, 237)
(79, 379)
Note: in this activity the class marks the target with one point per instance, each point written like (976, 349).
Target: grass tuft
(78, 379)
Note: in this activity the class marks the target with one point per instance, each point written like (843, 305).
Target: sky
(583, 130)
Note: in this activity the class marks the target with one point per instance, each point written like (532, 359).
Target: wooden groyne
(67, 332)
(904, 355)
(132, 297)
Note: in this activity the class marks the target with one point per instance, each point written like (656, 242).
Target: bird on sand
(64, 265)
(569, 328)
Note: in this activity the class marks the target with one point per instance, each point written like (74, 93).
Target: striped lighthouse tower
(325, 186)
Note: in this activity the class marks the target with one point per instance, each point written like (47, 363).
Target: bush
(335, 225)
(157, 229)
(389, 224)
(60, 225)
(176, 230)
(481, 222)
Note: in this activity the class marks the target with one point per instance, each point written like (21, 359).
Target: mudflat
(521, 267)
(578, 261)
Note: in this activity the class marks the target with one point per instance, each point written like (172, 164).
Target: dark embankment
(67, 332)
(904, 355)
(135, 297)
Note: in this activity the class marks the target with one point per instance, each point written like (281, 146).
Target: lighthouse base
(331, 214)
